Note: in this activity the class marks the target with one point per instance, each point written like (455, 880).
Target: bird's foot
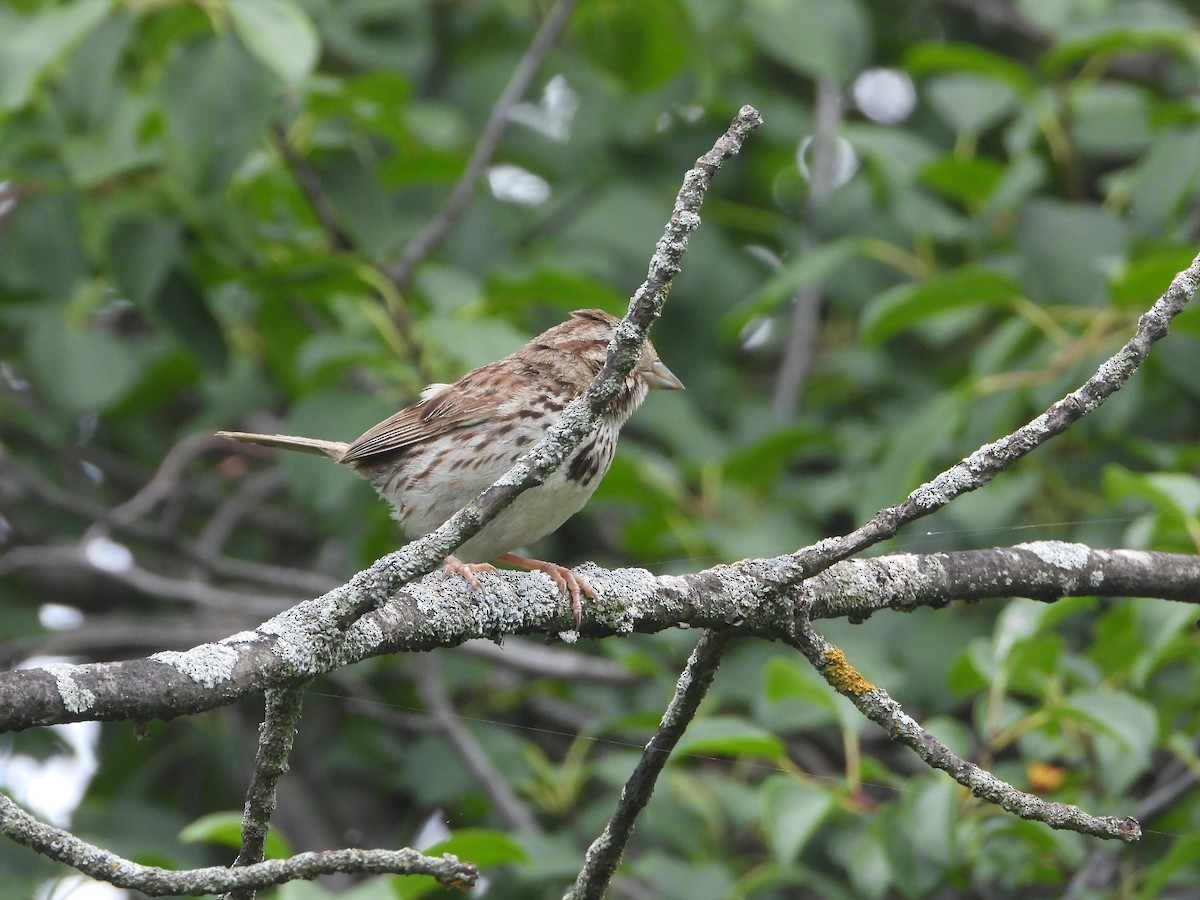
(568, 581)
(455, 566)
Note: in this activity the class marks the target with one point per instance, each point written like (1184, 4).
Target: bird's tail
(333, 449)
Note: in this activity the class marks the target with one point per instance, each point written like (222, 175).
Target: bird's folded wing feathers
(436, 414)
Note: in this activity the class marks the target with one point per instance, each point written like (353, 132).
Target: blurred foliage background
(954, 211)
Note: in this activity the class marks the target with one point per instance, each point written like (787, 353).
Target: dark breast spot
(583, 464)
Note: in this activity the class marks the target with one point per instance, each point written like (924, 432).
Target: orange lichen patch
(1044, 776)
(843, 676)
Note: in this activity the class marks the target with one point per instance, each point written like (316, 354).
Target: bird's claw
(468, 571)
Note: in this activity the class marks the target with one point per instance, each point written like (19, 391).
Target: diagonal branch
(312, 189)
(874, 703)
(605, 852)
(276, 736)
(432, 688)
(990, 460)
(371, 588)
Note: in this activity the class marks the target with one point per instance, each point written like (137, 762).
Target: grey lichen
(208, 664)
(75, 697)
(1068, 557)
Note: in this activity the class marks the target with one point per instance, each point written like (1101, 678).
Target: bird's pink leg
(568, 581)
(456, 566)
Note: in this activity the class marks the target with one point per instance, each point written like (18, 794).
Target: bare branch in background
(424, 242)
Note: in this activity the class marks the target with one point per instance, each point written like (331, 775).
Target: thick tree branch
(440, 612)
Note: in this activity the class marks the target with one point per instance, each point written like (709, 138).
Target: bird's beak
(660, 377)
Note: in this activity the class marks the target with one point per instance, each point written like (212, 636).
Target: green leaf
(1122, 28)
(814, 37)
(728, 736)
(113, 147)
(969, 181)
(1161, 185)
(29, 45)
(1020, 619)
(792, 812)
(218, 101)
(42, 247)
(928, 812)
(83, 369)
(1145, 278)
(785, 678)
(141, 251)
(912, 452)
(1111, 120)
(928, 57)
(279, 33)
(970, 104)
(562, 289)
(796, 697)
(91, 85)
(482, 846)
(225, 828)
(1127, 733)
(642, 44)
(1067, 251)
(182, 307)
(908, 304)
(805, 269)
(1182, 858)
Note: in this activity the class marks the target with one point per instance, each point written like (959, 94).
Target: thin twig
(371, 588)
(556, 662)
(298, 581)
(606, 851)
(163, 483)
(252, 490)
(799, 348)
(422, 243)
(874, 703)
(312, 189)
(152, 584)
(976, 470)
(276, 736)
(98, 863)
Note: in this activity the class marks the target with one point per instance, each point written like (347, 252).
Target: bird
(434, 457)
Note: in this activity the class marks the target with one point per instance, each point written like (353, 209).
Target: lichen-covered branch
(976, 470)
(276, 736)
(874, 703)
(437, 611)
(371, 588)
(606, 851)
(98, 863)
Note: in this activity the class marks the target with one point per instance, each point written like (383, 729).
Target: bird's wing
(438, 412)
